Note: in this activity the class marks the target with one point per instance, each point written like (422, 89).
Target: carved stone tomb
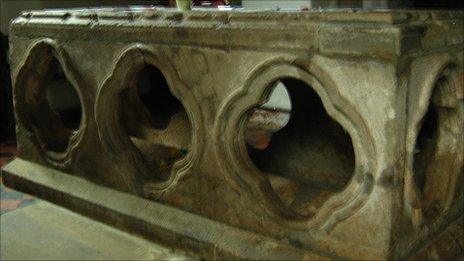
(245, 134)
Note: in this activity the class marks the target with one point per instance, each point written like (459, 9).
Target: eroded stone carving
(155, 139)
(56, 135)
(231, 147)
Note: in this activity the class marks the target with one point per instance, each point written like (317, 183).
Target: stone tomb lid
(385, 16)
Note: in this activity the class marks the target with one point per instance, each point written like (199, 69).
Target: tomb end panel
(433, 177)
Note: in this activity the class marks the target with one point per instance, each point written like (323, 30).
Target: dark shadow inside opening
(56, 109)
(425, 146)
(156, 122)
(436, 152)
(310, 158)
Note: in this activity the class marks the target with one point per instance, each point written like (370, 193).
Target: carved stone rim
(27, 76)
(259, 16)
(116, 142)
(235, 161)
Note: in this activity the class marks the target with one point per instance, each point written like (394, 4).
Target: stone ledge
(152, 220)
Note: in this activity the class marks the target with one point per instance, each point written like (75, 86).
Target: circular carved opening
(438, 150)
(54, 108)
(155, 121)
(305, 154)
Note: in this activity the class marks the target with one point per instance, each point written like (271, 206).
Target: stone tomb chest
(157, 122)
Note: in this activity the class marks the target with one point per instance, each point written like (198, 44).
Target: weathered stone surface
(368, 166)
(63, 235)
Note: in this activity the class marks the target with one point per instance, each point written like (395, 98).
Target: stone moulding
(226, 29)
(231, 147)
(110, 130)
(30, 74)
(373, 80)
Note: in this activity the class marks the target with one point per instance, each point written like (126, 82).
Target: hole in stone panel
(153, 91)
(425, 146)
(306, 155)
(62, 97)
(156, 121)
(438, 145)
(55, 109)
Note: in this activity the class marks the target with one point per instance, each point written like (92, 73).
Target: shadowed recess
(156, 121)
(307, 156)
(438, 170)
(425, 145)
(55, 108)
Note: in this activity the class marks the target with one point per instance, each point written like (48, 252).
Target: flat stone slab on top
(373, 33)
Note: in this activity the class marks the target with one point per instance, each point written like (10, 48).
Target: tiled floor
(11, 199)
